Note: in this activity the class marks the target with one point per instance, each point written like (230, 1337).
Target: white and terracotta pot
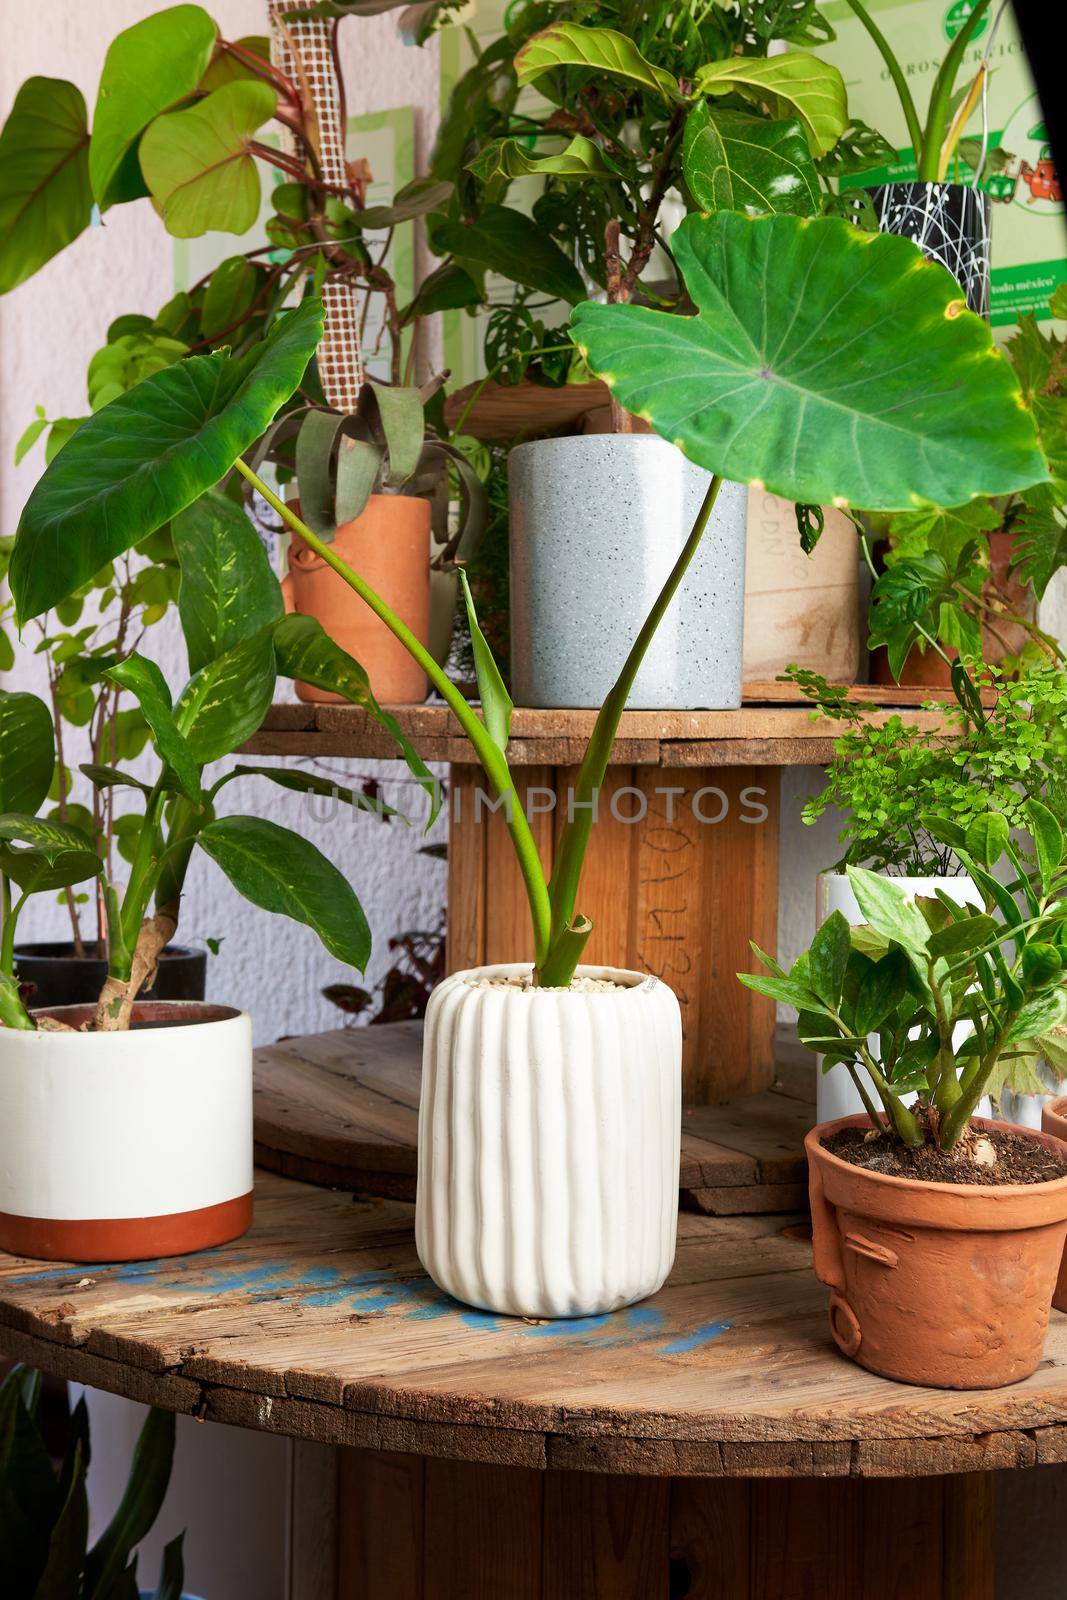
(122, 1146)
(549, 1133)
(835, 1092)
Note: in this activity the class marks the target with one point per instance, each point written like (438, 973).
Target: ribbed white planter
(835, 1093)
(122, 1146)
(549, 1133)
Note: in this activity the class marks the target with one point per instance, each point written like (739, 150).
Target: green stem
(961, 1113)
(139, 889)
(7, 938)
(861, 1090)
(575, 838)
(896, 72)
(489, 754)
(929, 161)
(5, 918)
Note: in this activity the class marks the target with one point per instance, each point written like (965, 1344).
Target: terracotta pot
(126, 1146)
(388, 544)
(942, 1284)
(926, 669)
(1054, 1121)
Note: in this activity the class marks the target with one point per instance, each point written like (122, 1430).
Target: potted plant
(369, 483)
(44, 1548)
(634, 124)
(949, 220)
(97, 1140)
(929, 1221)
(965, 584)
(567, 1072)
(889, 779)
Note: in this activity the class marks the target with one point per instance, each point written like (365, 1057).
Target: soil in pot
(62, 978)
(388, 544)
(943, 1283)
(1016, 1160)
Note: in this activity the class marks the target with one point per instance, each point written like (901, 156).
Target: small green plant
(889, 777)
(934, 142)
(808, 338)
(934, 592)
(44, 1508)
(919, 967)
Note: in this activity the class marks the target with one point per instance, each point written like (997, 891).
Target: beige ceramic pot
(942, 1284)
(388, 544)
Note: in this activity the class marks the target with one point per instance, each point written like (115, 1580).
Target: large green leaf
(307, 654)
(795, 84)
(149, 454)
(27, 752)
(28, 1493)
(281, 872)
(602, 50)
(889, 909)
(45, 198)
(415, 199)
(38, 853)
(147, 684)
(66, 1548)
(148, 68)
(825, 364)
(737, 163)
(198, 164)
(514, 245)
(225, 702)
(228, 590)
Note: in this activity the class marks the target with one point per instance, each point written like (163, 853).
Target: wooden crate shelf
(341, 1109)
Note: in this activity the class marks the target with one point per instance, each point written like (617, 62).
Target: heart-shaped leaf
(281, 872)
(147, 684)
(794, 84)
(148, 68)
(825, 364)
(738, 163)
(228, 589)
(147, 455)
(514, 245)
(602, 50)
(45, 197)
(198, 164)
(27, 752)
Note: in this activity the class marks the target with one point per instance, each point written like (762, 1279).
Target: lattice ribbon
(340, 355)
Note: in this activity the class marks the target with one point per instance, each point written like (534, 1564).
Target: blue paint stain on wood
(694, 1340)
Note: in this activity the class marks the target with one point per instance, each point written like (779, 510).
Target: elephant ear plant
(824, 363)
(238, 641)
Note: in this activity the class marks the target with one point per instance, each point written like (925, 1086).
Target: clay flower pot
(1054, 1121)
(388, 544)
(549, 1133)
(126, 1146)
(942, 1284)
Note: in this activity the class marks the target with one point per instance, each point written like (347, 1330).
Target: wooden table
(682, 869)
(709, 1444)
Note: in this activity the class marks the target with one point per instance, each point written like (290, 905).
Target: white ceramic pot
(597, 523)
(122, 1146)
(549, 1133)
(835, 1093)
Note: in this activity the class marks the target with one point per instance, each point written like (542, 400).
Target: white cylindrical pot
(835, 1092)
(597, 523)
(124, 1146)
(549, 1135)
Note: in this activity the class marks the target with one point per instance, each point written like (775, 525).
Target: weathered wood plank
(320, 1324)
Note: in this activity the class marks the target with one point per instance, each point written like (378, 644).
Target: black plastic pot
(949, 222)
(63, 979)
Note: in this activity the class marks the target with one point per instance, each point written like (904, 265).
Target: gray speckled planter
(597, 522)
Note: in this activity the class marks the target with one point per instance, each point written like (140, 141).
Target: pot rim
(891, 1184)
(49, 950)
(1056, 1108)
(635, 982)
(611, 441)
(185, 1014)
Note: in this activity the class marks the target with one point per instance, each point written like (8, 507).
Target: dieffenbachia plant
(186, 426)
(822, 362)
(887, 999)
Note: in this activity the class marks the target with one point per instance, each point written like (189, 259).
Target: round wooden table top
(321, 1324)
